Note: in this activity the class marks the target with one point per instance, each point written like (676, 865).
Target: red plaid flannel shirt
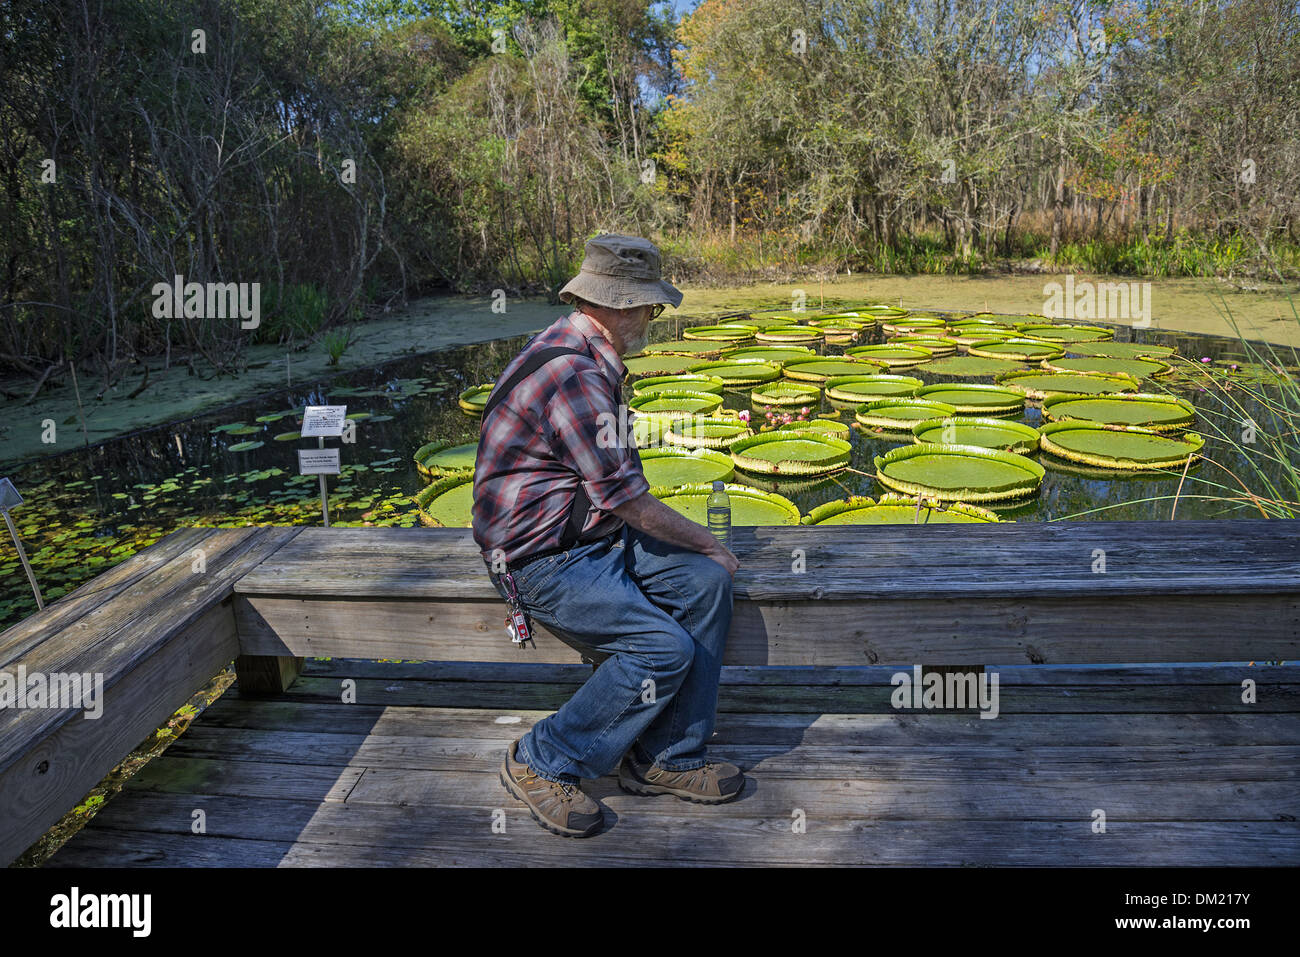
(546, 436)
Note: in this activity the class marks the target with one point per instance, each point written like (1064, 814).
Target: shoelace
(566, 789)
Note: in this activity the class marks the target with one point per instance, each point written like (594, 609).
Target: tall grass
(1269, 450)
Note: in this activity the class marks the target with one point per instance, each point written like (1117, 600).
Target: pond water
(89, 509)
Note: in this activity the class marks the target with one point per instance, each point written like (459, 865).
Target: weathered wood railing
(160, 625)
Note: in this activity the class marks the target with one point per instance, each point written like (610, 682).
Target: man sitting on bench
(574, 540)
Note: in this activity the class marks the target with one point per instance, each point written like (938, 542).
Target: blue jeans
(661, 614)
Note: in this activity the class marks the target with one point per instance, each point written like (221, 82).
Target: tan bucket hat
(620, 272)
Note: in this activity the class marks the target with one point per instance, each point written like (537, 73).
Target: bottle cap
(717, 485)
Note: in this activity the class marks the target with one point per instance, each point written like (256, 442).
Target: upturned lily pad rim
(1052, 405)
(1127, 350)
(880, 311)
(795, 393)
(1015, 346)
(1191, 444)
(435, 490)
(680, 432)
(854, 503)
(675, 347)
(712, 401)
(841, 322)
(833, 384)
(734, 490)
(759, 370)
(831, 427)
(681, 452)
(1012, 379)
(1161, 368)
(922, 353)
(1029, 327)
(1022, 487)
(691, 381)
(1028, 441)
(1010, 398)
(835, 457)
(473, 392)
(729, 332)
(867, 412)
(802, 369)
(791, 334)
(430, 449)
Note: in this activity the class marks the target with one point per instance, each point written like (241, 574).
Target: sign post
(9, 498)
(319, 421)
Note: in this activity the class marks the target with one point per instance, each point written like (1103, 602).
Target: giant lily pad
(698, 432)
(1039, 385)
(672, 467)
(674, 404)
(447, 502)
(892, 355)
(773, 355)
(965, 338)
(939, 346)
(798, 453)
(659, 365)
(439, 459)
(1122, 350)
(1163, 413)
(735, 332)
(1065, 333)
(986, 433)
(837, 321)
(737, 374)
(958, 473)
(1118, 447)
(691, 382)
(839, 430)
(1021, 350)
(681, 347)
(973, 398)
(853, 390)
(1138, 368)
(883, 312)
(821, 369)
(474, 398)
(784, 394)
(791, 335)
(962, 367)
(913, 324)
(899, 415)
(895, 510)
(749, 506)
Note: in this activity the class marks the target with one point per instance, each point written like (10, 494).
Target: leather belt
(516, 564)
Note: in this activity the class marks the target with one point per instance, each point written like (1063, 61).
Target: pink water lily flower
(1205, 359)
(743, 415)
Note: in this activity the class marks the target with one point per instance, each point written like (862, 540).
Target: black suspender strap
(581, 507)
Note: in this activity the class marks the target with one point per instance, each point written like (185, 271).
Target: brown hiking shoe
(560, 808)
(714, 783)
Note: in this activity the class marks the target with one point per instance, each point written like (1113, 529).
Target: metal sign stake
(324, 495)
(9, 497)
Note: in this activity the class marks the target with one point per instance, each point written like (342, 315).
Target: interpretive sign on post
(319, 421)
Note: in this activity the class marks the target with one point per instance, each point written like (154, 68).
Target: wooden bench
(157, 628)
(890, 595)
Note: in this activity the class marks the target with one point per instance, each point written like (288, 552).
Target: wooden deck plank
(1018, 625)
(1005, 762)
(901, 728)
(1112, 674)
(691, 834)
(20, 639)
(856, 699)
(1249, 557)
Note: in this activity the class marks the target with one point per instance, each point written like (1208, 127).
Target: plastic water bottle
(718, 509)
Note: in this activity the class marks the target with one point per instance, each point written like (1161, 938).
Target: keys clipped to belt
(517, 624)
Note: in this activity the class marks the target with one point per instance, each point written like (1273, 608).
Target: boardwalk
(353, 761)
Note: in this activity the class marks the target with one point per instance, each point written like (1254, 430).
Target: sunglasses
(658, 310)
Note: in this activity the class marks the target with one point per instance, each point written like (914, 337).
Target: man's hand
(647, 514)
(724, 557)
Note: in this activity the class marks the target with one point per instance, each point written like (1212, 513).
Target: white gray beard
(633, 346)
